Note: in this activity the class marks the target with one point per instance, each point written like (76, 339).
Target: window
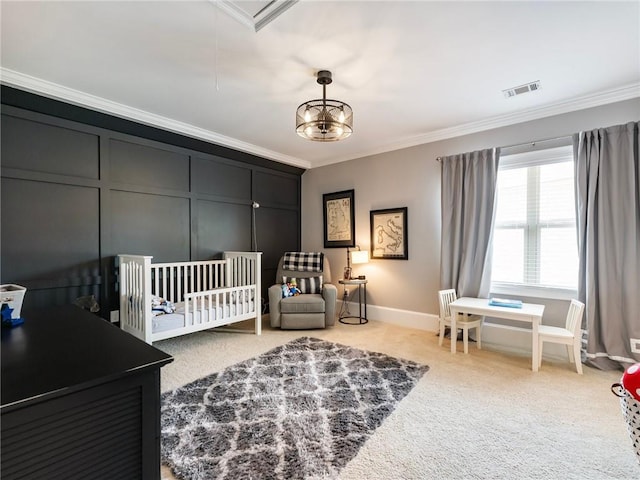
(534, 237)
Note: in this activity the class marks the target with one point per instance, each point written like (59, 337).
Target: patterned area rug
(299, 411)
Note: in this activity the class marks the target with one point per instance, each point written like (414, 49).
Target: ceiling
(413, 71)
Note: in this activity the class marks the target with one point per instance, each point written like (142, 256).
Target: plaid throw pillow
(306, 285)
(303, 261)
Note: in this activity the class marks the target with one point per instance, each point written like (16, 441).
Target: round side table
(362, 302)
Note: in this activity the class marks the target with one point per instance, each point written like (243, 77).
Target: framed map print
(389, 234)
(339, 219)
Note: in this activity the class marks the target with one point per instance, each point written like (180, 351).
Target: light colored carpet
(484, 415)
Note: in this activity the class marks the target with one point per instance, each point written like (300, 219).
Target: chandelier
(324, 120)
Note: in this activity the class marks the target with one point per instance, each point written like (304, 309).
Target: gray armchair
(307, 310)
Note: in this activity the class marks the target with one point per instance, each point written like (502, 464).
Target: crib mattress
(177, 320)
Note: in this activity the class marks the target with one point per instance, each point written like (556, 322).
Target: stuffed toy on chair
(290, 290)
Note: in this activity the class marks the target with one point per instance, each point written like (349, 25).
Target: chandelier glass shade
(324, 120)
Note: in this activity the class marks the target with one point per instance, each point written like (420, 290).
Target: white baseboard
(395, 316)
(500, 337)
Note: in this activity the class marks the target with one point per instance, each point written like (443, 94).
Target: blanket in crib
(303, 261)
(161, 306)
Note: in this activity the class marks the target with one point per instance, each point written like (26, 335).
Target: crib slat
(243, 269)
(172, 275)
(136, 297)
(156, 280)
(179, 284)
(197, 305)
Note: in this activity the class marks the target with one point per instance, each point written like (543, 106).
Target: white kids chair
(569, 335)
(463, 322)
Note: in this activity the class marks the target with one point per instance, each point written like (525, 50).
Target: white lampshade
(359, 256)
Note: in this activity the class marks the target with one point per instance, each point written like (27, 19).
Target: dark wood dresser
(80, 399)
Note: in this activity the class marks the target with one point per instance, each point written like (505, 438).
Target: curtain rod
(533, 143)
(554, 139)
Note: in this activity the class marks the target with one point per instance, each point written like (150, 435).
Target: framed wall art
(389, 234)
(339, 219)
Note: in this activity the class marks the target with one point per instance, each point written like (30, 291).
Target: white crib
(206, 294)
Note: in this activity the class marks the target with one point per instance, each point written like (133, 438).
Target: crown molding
(65, 94)
(614, 95)
(52, 90)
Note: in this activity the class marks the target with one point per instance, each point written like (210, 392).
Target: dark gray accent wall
(148, 166)
(75, 194)
(149, 224)
(57, 150)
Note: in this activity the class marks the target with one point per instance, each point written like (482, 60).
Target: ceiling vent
(527, 87)
(254, 14)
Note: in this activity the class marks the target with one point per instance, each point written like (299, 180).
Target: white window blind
(534, 237)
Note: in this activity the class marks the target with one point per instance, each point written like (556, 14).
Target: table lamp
(355, 257)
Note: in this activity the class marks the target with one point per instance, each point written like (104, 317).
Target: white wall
(407, 290)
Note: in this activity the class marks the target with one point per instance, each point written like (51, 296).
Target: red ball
(631, 380)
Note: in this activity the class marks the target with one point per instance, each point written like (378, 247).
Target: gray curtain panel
(468, 204)
(607, 176)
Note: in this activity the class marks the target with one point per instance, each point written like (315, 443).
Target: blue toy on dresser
(6, 311)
